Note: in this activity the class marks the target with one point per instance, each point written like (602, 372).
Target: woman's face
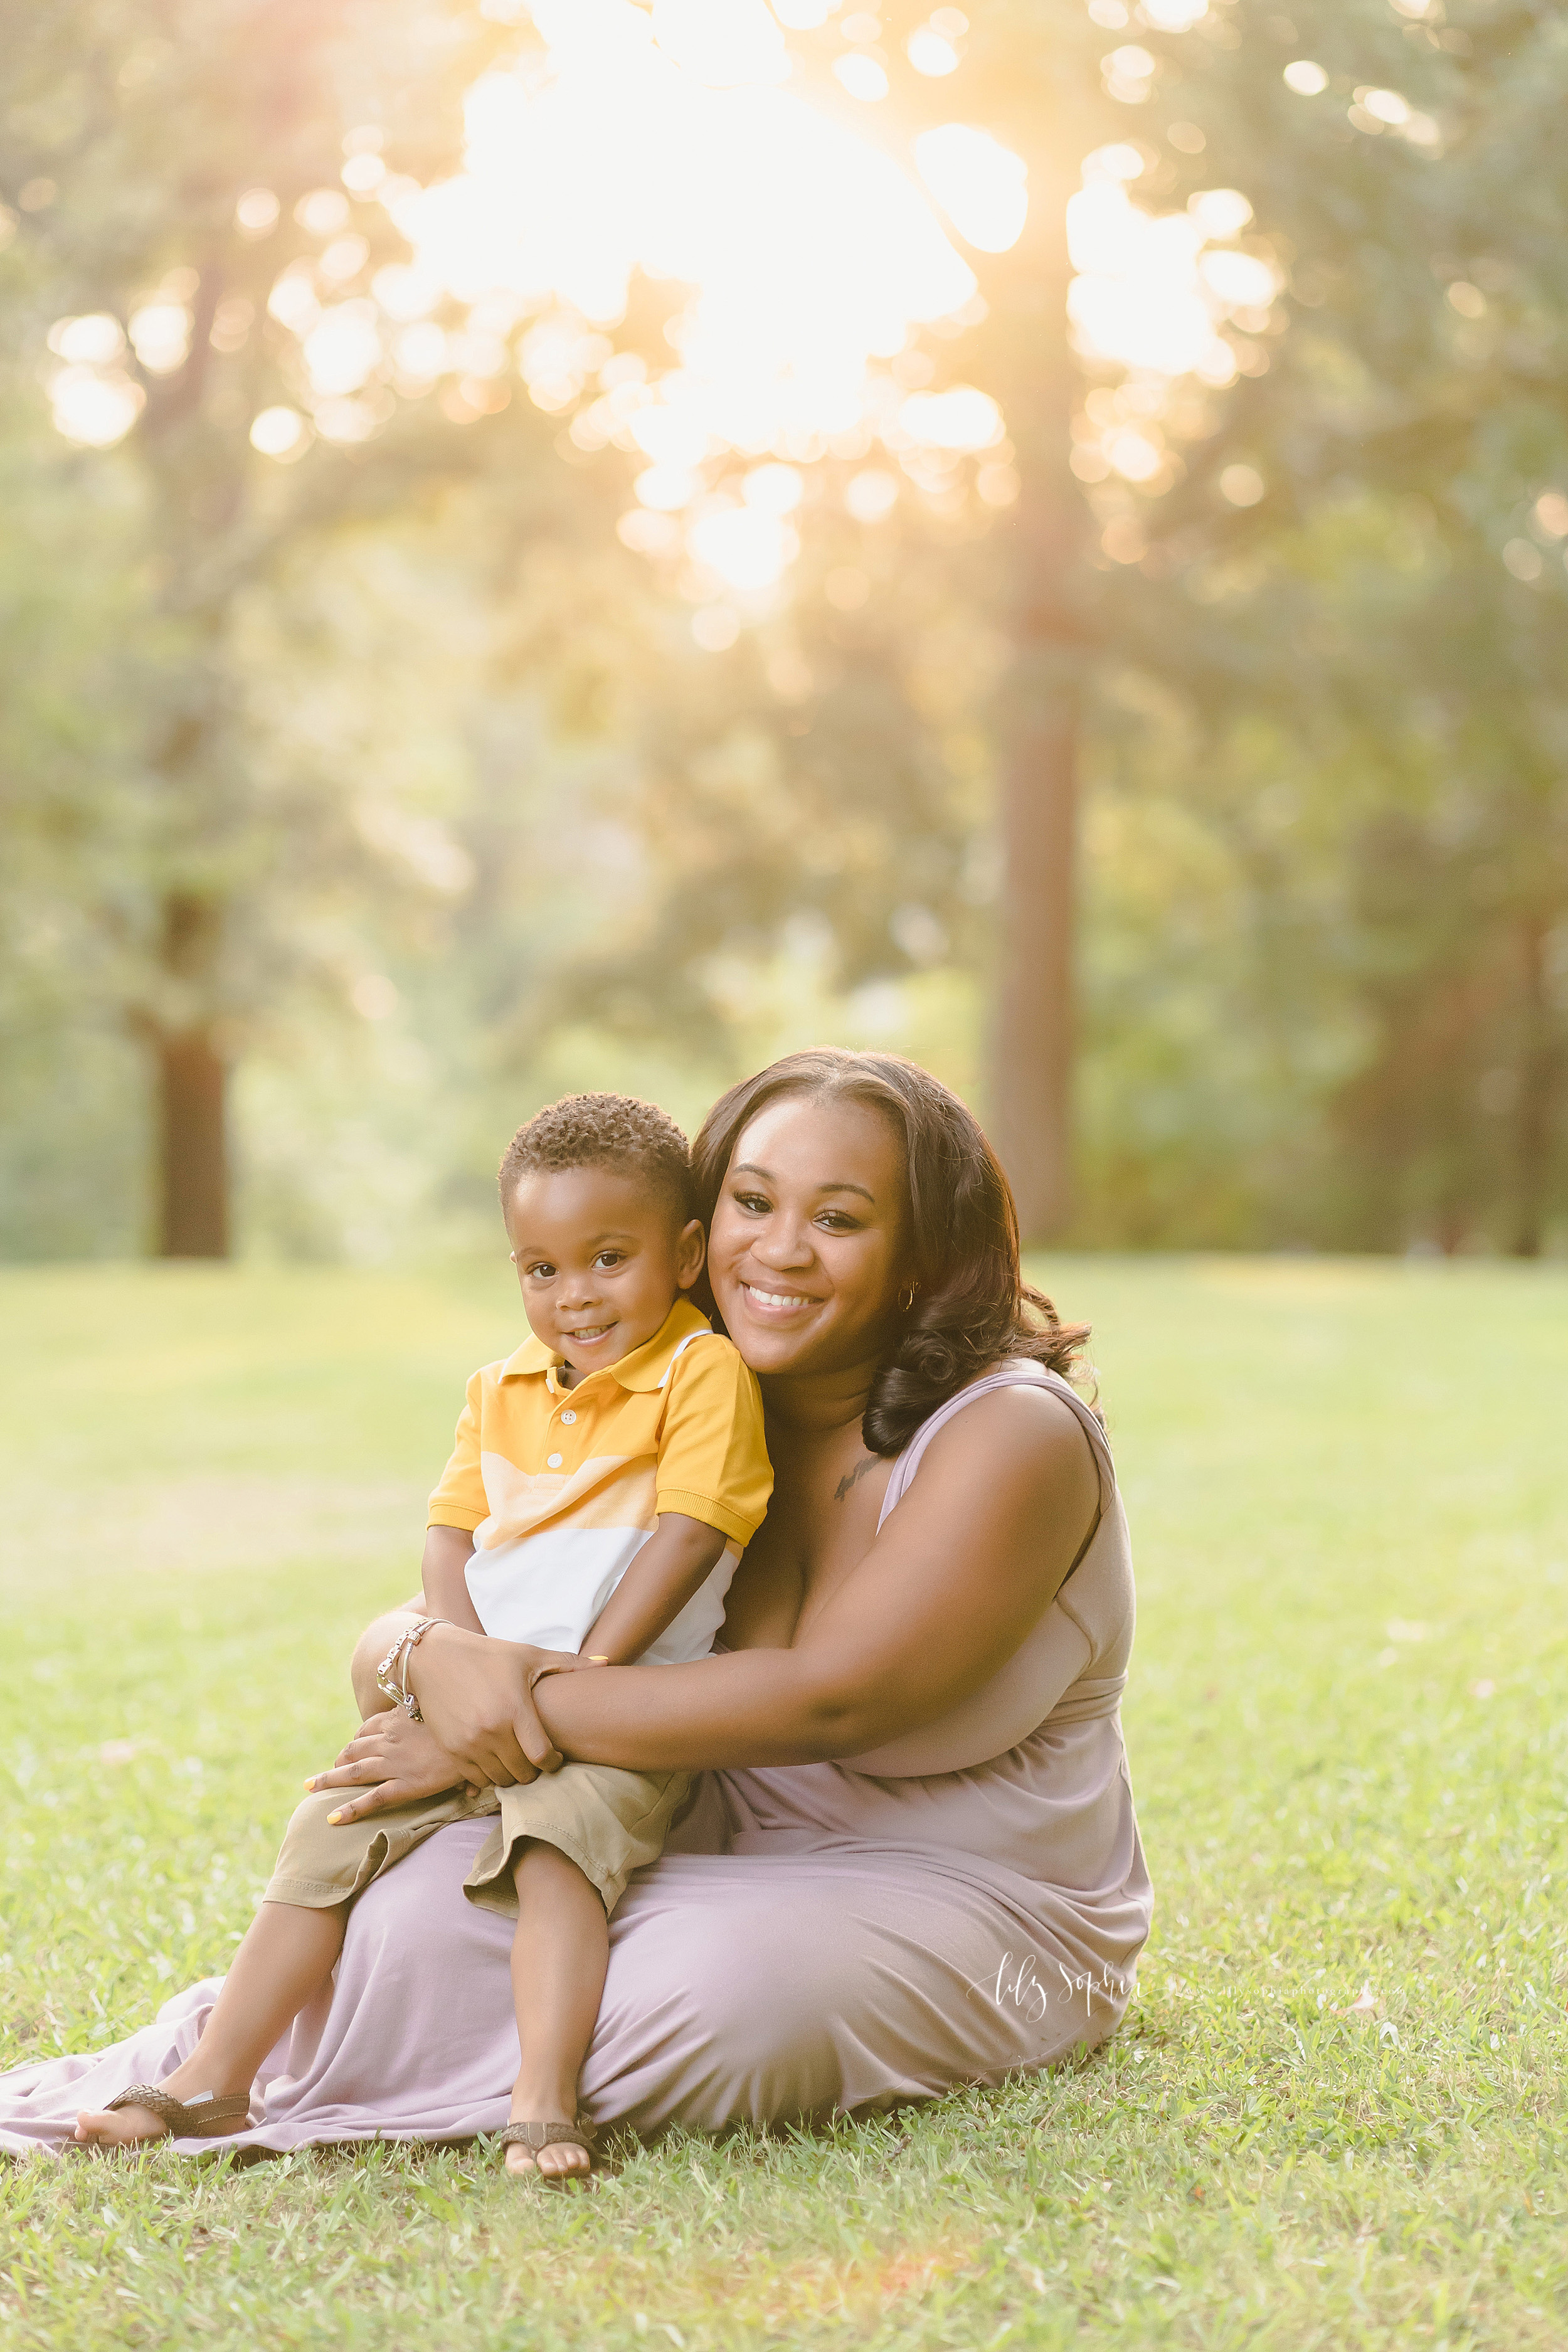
(809, 1235)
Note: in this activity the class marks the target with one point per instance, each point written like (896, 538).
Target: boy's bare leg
(559, 1956)
(285, 1957)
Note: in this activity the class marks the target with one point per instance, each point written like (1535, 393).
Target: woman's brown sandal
(208, 2118)
(537, 2136)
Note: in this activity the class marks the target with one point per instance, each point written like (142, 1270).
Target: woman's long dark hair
(972, 1305)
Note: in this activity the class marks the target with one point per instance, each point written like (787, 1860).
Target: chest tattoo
(853, 1477)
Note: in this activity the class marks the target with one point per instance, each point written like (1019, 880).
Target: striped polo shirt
(561, 1487)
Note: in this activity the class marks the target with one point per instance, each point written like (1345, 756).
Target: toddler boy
(603, 1482)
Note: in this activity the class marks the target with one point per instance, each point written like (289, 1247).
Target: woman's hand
(400, 1757)
(476, 1697)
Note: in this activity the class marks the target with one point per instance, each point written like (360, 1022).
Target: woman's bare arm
(951, 1587)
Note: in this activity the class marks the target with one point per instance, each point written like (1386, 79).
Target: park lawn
(1334, 2114)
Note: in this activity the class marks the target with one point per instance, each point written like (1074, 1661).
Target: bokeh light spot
(94, 341)
(715, 627)
(746, 546)
(1128, 74)
(961, 418)
(323, 212)
(1220, 212)
(981, 185)
(280, 433)
(1242, 485)
(256, 212)
(862, 76)
(871, 496)
(161, 335)
(344, 348)
(930, 54)
(1117, 161)
(666, 488)
(776, 490)
(95, 407)
(999, 485)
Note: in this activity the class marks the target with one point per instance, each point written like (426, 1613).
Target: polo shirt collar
(644, 1369)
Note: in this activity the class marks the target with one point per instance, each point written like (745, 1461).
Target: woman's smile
(774, 1303)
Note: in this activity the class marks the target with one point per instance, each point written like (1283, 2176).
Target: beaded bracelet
(396, 1660)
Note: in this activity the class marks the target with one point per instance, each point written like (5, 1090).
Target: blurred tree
(1389, 594)
(1331, 586)
(819, 773)
(1036, 69)
(1285, 649)
(171, 167)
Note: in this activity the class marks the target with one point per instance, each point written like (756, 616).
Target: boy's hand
(399, 1757)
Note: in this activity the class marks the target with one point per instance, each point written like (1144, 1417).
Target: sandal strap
(557, 2135)
(195, 2119)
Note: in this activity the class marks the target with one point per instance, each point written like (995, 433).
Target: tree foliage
(390, 778)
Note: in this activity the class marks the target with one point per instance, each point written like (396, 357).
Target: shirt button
(568, 1416)
(552, 1462)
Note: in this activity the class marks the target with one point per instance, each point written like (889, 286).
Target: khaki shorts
(608, 1821)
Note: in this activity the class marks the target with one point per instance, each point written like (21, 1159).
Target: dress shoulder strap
(1016, 1371)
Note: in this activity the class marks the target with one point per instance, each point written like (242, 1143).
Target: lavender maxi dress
(969, 1900)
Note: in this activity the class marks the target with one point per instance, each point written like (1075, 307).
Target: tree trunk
(1032, 1084)
(192, 1153)
(193, 1145)
(1534, 1118)
(1032, 1029)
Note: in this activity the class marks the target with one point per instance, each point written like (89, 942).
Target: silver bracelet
(396, 1663)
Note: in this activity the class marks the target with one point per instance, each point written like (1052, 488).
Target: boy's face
(600, 1257)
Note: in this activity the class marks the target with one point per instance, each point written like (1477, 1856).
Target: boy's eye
(609, 1257)
(542, 1272)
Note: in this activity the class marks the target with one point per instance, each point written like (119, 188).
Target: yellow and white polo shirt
(562, 1487)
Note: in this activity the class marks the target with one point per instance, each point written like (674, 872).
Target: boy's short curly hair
(635, 1139)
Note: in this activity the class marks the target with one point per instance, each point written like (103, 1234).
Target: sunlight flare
(798, 299)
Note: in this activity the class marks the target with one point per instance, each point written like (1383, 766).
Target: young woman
(915, 1861)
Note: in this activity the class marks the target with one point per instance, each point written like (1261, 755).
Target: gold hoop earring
(907, 1297)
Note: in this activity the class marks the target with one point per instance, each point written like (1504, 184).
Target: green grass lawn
(1348, 1492)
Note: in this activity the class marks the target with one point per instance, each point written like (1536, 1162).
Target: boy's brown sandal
(535, 2137)
(197, 2119)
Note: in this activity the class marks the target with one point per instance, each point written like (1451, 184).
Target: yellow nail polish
(309, 1782)
(335, 1817)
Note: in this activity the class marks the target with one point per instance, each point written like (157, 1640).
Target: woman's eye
(836, 1222)
(757, 1203)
